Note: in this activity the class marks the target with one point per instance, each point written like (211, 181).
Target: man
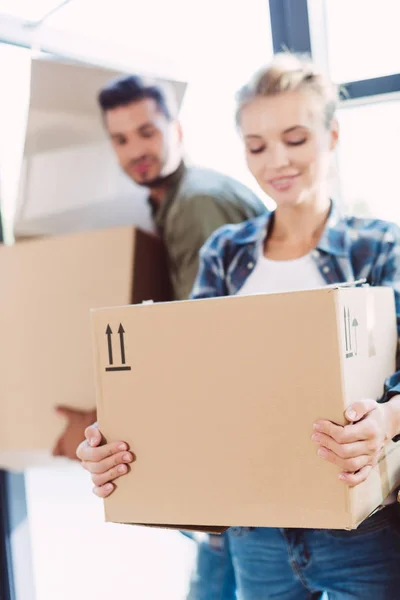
(188, 204)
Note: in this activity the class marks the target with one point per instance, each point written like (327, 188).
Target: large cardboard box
(220, 411)
(48, 288)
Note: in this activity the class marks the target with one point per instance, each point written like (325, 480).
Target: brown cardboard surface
(217, 399)
(48, 289)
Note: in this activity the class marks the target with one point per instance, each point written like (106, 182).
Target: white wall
(76, 555)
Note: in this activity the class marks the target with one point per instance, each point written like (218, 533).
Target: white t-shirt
(282, 276)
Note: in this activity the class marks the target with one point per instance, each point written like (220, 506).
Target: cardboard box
(48, 289)
(65, 129)
(220, 411)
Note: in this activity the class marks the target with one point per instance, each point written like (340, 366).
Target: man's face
(147, 144)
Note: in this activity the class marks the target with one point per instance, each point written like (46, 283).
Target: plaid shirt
(349, 249)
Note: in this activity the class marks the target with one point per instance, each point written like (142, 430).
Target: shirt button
(326, 269)
(250, 265)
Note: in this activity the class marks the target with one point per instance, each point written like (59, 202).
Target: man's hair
(126, 90)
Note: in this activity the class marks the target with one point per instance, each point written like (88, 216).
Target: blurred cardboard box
(48, 288)
(220, 409)
(70, 179)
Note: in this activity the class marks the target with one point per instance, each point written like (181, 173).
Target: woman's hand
(355, 448)
(105, 463)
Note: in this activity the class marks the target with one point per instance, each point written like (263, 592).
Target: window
(363, 50)
(208, 110)
(363, 38)
(368, 159)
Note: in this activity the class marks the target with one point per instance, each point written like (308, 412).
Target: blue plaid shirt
(350, 248)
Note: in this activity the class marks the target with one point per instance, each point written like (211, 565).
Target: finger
(351, 450)
(353, 479)
(110, 476)
(105, 465)
(103, 491)
(88, 454)
(358, 410)
(356, 432)
(350, 465)
(328, 428)
(80, 450)
(93, 435)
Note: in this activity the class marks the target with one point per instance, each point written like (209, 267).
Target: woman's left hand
(355, 448)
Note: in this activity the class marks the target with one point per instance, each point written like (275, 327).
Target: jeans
(214, 577)
(302, 564)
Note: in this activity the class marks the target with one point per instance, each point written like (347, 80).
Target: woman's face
(288, 146)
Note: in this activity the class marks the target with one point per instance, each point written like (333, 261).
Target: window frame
(7, 584)
(290, 27)
(17, 577)
(375, 89)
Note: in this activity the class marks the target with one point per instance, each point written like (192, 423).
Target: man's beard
(160, 181)
(157, 182)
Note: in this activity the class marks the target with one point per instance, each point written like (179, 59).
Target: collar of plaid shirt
(331, 253)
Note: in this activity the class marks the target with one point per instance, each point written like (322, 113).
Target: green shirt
(198, 202)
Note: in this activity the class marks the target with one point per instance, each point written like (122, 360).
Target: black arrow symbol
(110, 352)
(121, 332)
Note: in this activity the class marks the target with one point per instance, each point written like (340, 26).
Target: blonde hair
(289, 72)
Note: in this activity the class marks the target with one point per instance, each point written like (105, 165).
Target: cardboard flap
(348, 284)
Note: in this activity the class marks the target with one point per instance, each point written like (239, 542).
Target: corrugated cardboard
(220, 410)
(48, 289)
(70, 179)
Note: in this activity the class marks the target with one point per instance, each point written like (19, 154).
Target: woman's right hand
(105, 463)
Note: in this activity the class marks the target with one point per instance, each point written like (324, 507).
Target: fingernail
(108, 487)
(127, 457)
(322, 453)
(342, 477)
(317, 427)
(92, 441)
(122, 469)
(122, 447)
(351, 414)
(315, 438)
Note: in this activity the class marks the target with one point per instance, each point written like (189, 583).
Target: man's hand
(105, 462)
(355, 448)
(74, 432)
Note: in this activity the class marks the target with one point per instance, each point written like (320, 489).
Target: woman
(286, 117)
